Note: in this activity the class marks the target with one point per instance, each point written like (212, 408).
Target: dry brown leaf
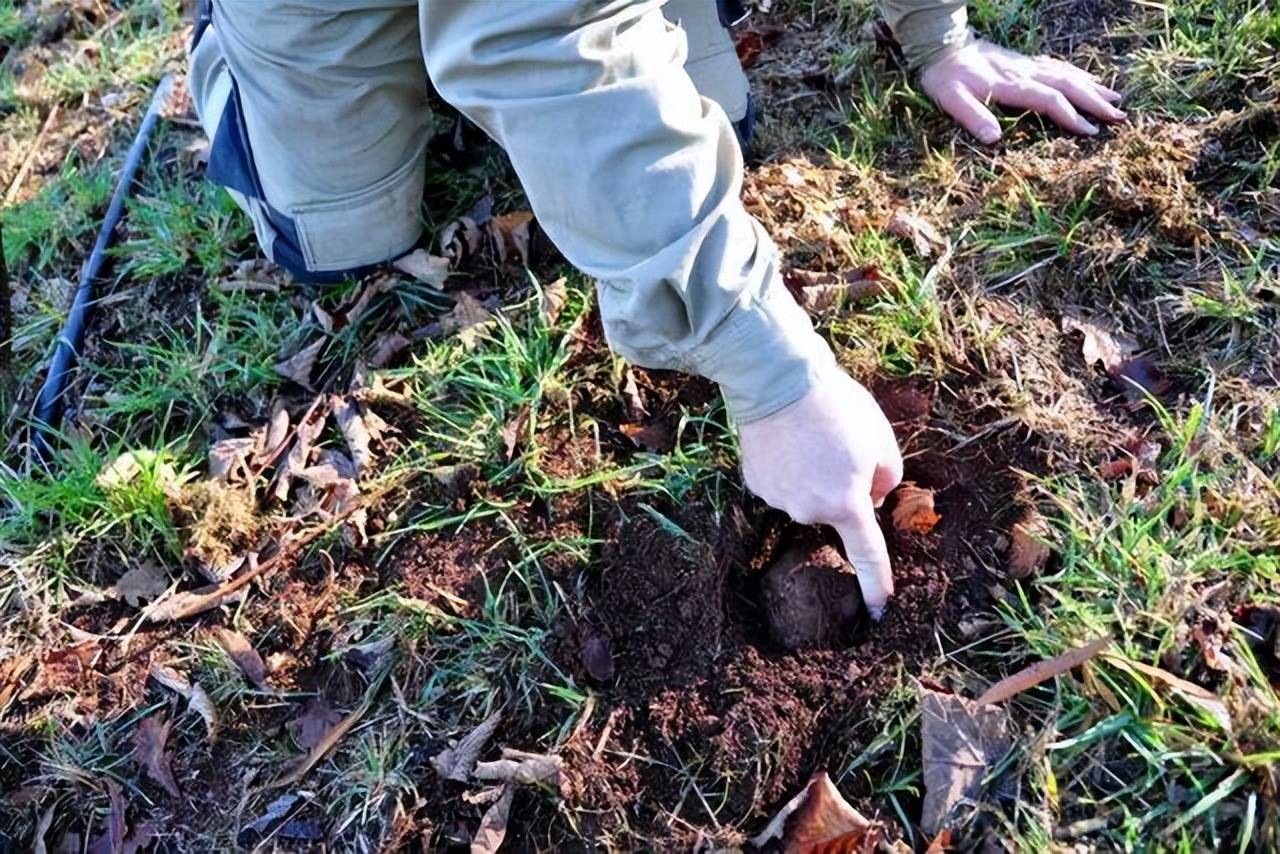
(517, 766)
(1196, 695)
(315, 722)
(655, 436)
(299, 366)
(305, 435)
(149, 740)
(819, 292)
(277, 431)
(387, 347)
(511, 234)
(195, 695)
(514, 431)
(461, 239)
(328, 741)
(112, 838)
(914, 513)
(355, 431)
(1027, 550)
(457, 762)
(141, 584)
(819, 819)
(229, 458)
(323, 318)
(493, 826)
(554, 297)
(1042, 671)
(1101, 345)
(245, 657)
(631, 395)
(960, 741)
(466, 318)
(381, 285)
(426, 268)
(925, 238)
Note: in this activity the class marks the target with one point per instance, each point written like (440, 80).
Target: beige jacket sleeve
(927, 29)
(636, 178)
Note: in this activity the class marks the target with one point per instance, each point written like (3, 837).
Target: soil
(697, 678)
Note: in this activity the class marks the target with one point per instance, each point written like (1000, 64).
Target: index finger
(865, 548)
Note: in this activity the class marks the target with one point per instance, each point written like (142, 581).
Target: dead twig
(1042, 671)
(332, 738)
(6, 313)
(15, 185)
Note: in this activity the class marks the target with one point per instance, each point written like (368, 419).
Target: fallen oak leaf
(456, 763)
(1042, 671)
(511, 234)
(377, 287)
(305, 434)
(429, 269)
(277, 432)
(195, 695)
(493, 825)
(960, 742)
(819, 819)
(924, 237)
(299, 366)
(913, 513)
(246, 658)
(149, 740)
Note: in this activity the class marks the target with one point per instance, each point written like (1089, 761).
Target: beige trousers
(318, 114)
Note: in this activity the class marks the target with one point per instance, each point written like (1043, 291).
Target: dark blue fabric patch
(231, 165)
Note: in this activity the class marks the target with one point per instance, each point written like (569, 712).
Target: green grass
(1104, 752)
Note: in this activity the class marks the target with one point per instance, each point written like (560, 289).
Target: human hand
(830, 458)
(963, 83)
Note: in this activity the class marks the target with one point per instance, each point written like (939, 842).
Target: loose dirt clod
(811, 598)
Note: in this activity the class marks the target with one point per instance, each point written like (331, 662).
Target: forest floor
(301, 556)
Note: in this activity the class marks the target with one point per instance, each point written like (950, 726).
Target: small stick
(6, 312)
(1042, 670)
(16, 184)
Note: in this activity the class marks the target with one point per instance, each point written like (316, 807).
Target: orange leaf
(914, 513)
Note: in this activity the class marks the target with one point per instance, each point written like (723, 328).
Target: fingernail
(988, 136)
(876, 614)
(1088, 127)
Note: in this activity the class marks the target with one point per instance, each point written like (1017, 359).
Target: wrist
(768, 358)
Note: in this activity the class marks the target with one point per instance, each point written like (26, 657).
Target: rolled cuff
(931, 33)
(765, 355)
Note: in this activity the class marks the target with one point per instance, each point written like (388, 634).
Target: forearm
(927, 29)
(637, 181)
